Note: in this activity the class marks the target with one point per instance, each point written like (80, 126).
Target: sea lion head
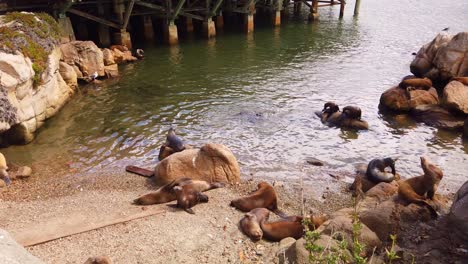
(391, 163)
(431, 170)
(352, 112)
(251, 227)
(330, 107)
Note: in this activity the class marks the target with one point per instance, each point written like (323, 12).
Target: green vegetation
(391, 254)
(34, 35)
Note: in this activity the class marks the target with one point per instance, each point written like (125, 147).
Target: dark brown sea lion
(351, 118)
(293, 226)
(416, 83)
(173, 141)
(166, 193)
(250, 223)
(376, 170)
(188, 196)
(330, 112)
(421, 189)
(352, 112)
(263, 197)
(463, 80)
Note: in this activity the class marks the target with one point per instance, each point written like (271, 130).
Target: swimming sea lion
(166, 193)
(140, 54)
(263, 197)
(419, 189)
(173, 141)
(352, 112)
(188, 196)
(3, 170)
(250, 223)
(463, 80)
(291, 227)
(351, 118)
(376, 170)
(416, 83)
(330, 112)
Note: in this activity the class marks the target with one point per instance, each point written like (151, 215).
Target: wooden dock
(111, 21)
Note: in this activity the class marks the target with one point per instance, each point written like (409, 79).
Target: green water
(257, 94)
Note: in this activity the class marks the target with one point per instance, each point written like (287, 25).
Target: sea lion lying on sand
(292, 226)
(188, 197)
(421, 189)
(166, 193)
(263, 197)
(250, 223)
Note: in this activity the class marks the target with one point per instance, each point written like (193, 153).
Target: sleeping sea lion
(416, 83)
(376, 170)
(351, 118)
(166, 193)
(291, 227)
(250, 223)
(188, 196)
(263, 197)
(3, 170)
(421, 189)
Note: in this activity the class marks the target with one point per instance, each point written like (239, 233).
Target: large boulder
(459, 212)
(436, 116)
(212, 162)
(443, 58)
(456, 96)
(402, 100)
(68, 74)
(422, 63)
(85, 55)
(12, 253)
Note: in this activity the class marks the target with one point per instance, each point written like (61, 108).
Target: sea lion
(419, 189)
(463, 80)
(250, 223)
(263, 197)
(166, 193)
(293, 226)
(416, 83)
(376, 170)
(188, 196)
(3, 170)
(173, 141)
(330, 112)
(352, 112)
(140, 54)
(351, 118)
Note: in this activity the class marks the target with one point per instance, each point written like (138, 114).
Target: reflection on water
(257, 94)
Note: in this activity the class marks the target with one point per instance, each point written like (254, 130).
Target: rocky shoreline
(34, 87)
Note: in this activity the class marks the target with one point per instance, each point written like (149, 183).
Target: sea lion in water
(293, 226)
(166, 193)
(419, 189)
(352, 112)
(188, 197)
(376, 170)
(263, 197)
(416, 83)
(250, 223)
(330, 112)
(3, 170)
(351, 118)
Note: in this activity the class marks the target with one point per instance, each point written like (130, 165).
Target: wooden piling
(313, 16)
(342, 7)
(209, 29)
(356, 7)
(148, 29)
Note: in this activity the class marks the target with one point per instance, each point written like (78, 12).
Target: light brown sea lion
(351, 118)
(166, 193)
(3, 170)
(416, 83)
(419, 189)
(188, 196)
(463, 80)
(291, 227)
(330, 113)
(250, 223)
(263, 197)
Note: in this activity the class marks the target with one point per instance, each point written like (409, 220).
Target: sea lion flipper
(189, 210)
(139, 171)
(280, 213)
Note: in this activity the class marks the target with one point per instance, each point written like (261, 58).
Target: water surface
(257, 95)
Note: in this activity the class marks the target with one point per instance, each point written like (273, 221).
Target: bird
(446, 29)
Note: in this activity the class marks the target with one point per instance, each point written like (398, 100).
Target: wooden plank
(94, 18)
(128, 12)
(75, 224)
(156, 7)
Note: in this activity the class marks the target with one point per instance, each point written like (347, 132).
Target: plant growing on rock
(391, 254)
(34, 35)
